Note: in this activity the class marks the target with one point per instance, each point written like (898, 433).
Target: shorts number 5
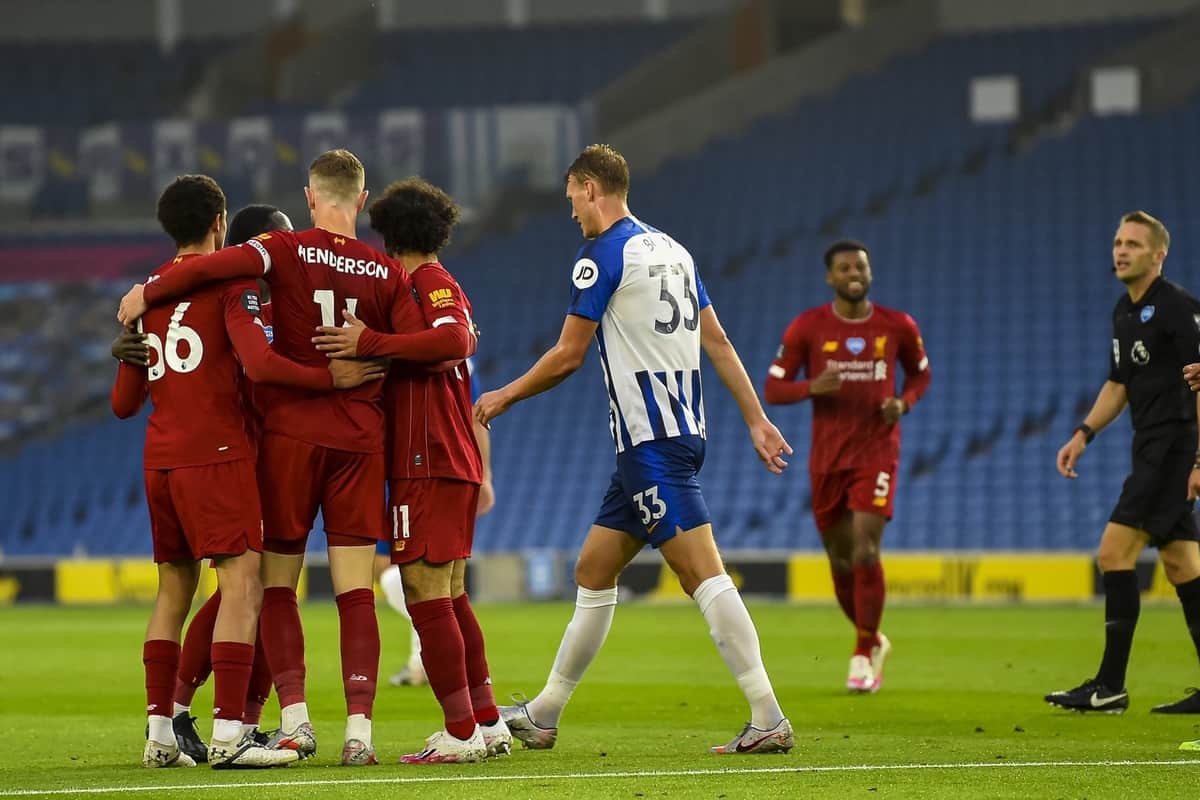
(883, 485)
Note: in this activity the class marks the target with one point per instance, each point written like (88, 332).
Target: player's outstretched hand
(348, 373)
(1191, 374)
(828, 382)
(770, 445)
(1069, 455)
(491, 405)
(133, 306)
(340, 342)
(131, 348)
(893, 409)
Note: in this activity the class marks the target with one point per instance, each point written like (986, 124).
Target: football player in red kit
(848, 351)
(317, 451)
(434, 469)
(199, 471)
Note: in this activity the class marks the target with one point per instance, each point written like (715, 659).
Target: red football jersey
(314, 276)
(848, 430)
(431, 428)
(195, 379)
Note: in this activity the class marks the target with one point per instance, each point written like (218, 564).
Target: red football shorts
(204, 512)
(431, 519)
(870, 490)
(296, 478)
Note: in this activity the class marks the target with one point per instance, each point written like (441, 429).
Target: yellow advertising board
(935, 577)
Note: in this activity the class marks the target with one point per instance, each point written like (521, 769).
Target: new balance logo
(357, 677)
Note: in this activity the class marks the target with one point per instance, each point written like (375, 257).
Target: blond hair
(1160, 238)
(604, 165)
(337, 174)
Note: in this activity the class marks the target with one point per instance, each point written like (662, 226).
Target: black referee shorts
(1154, 496)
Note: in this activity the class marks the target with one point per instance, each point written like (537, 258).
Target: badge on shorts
(1147, 313)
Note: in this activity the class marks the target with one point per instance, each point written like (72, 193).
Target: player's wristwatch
(1086, 430)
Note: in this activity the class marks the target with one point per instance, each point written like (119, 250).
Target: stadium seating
(505, 66)
(71, 83)
(1005, 264)
(83, 82)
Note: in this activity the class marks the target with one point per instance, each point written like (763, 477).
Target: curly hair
(188, 206)
(413, 216)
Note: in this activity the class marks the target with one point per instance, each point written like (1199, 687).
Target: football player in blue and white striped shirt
(637, 291)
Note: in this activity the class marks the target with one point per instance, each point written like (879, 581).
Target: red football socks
(869, 593)
(843, 587)
(161, 658)
(232, 663)
(360, 649)
(195, 658)
(259, 688)
(482, 698)
(283, 643)
(442, 652)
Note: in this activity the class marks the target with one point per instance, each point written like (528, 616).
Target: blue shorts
(654, 492)
(384, 547)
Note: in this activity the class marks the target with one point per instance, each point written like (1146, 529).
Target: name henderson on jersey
(328, 258)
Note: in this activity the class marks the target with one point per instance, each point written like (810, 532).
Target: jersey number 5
(325, 299)
(167, 356)
(662, 272)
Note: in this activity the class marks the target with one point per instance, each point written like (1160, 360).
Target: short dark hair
(604, 165)
(1160, 238)
(253, 220)
(188, 206)
(843, 246)
(413, 216)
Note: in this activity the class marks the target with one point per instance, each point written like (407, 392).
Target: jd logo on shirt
(1139, 354)
(585, 274)
(1147, 313)
(856, 344)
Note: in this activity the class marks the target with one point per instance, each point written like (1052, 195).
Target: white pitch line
(682, 773)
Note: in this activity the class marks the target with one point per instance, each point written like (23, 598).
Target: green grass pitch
(960, 715)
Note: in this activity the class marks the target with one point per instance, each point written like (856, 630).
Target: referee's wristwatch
(1086, 430)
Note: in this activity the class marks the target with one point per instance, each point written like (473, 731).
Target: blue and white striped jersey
(643, 288)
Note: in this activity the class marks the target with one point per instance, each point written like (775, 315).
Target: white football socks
(731, 628)
(582, 639)
(293, 717)
(358, 727)
(414, 649)
(161, 730)
(181, 709)
(227, 730)
(393, 589)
